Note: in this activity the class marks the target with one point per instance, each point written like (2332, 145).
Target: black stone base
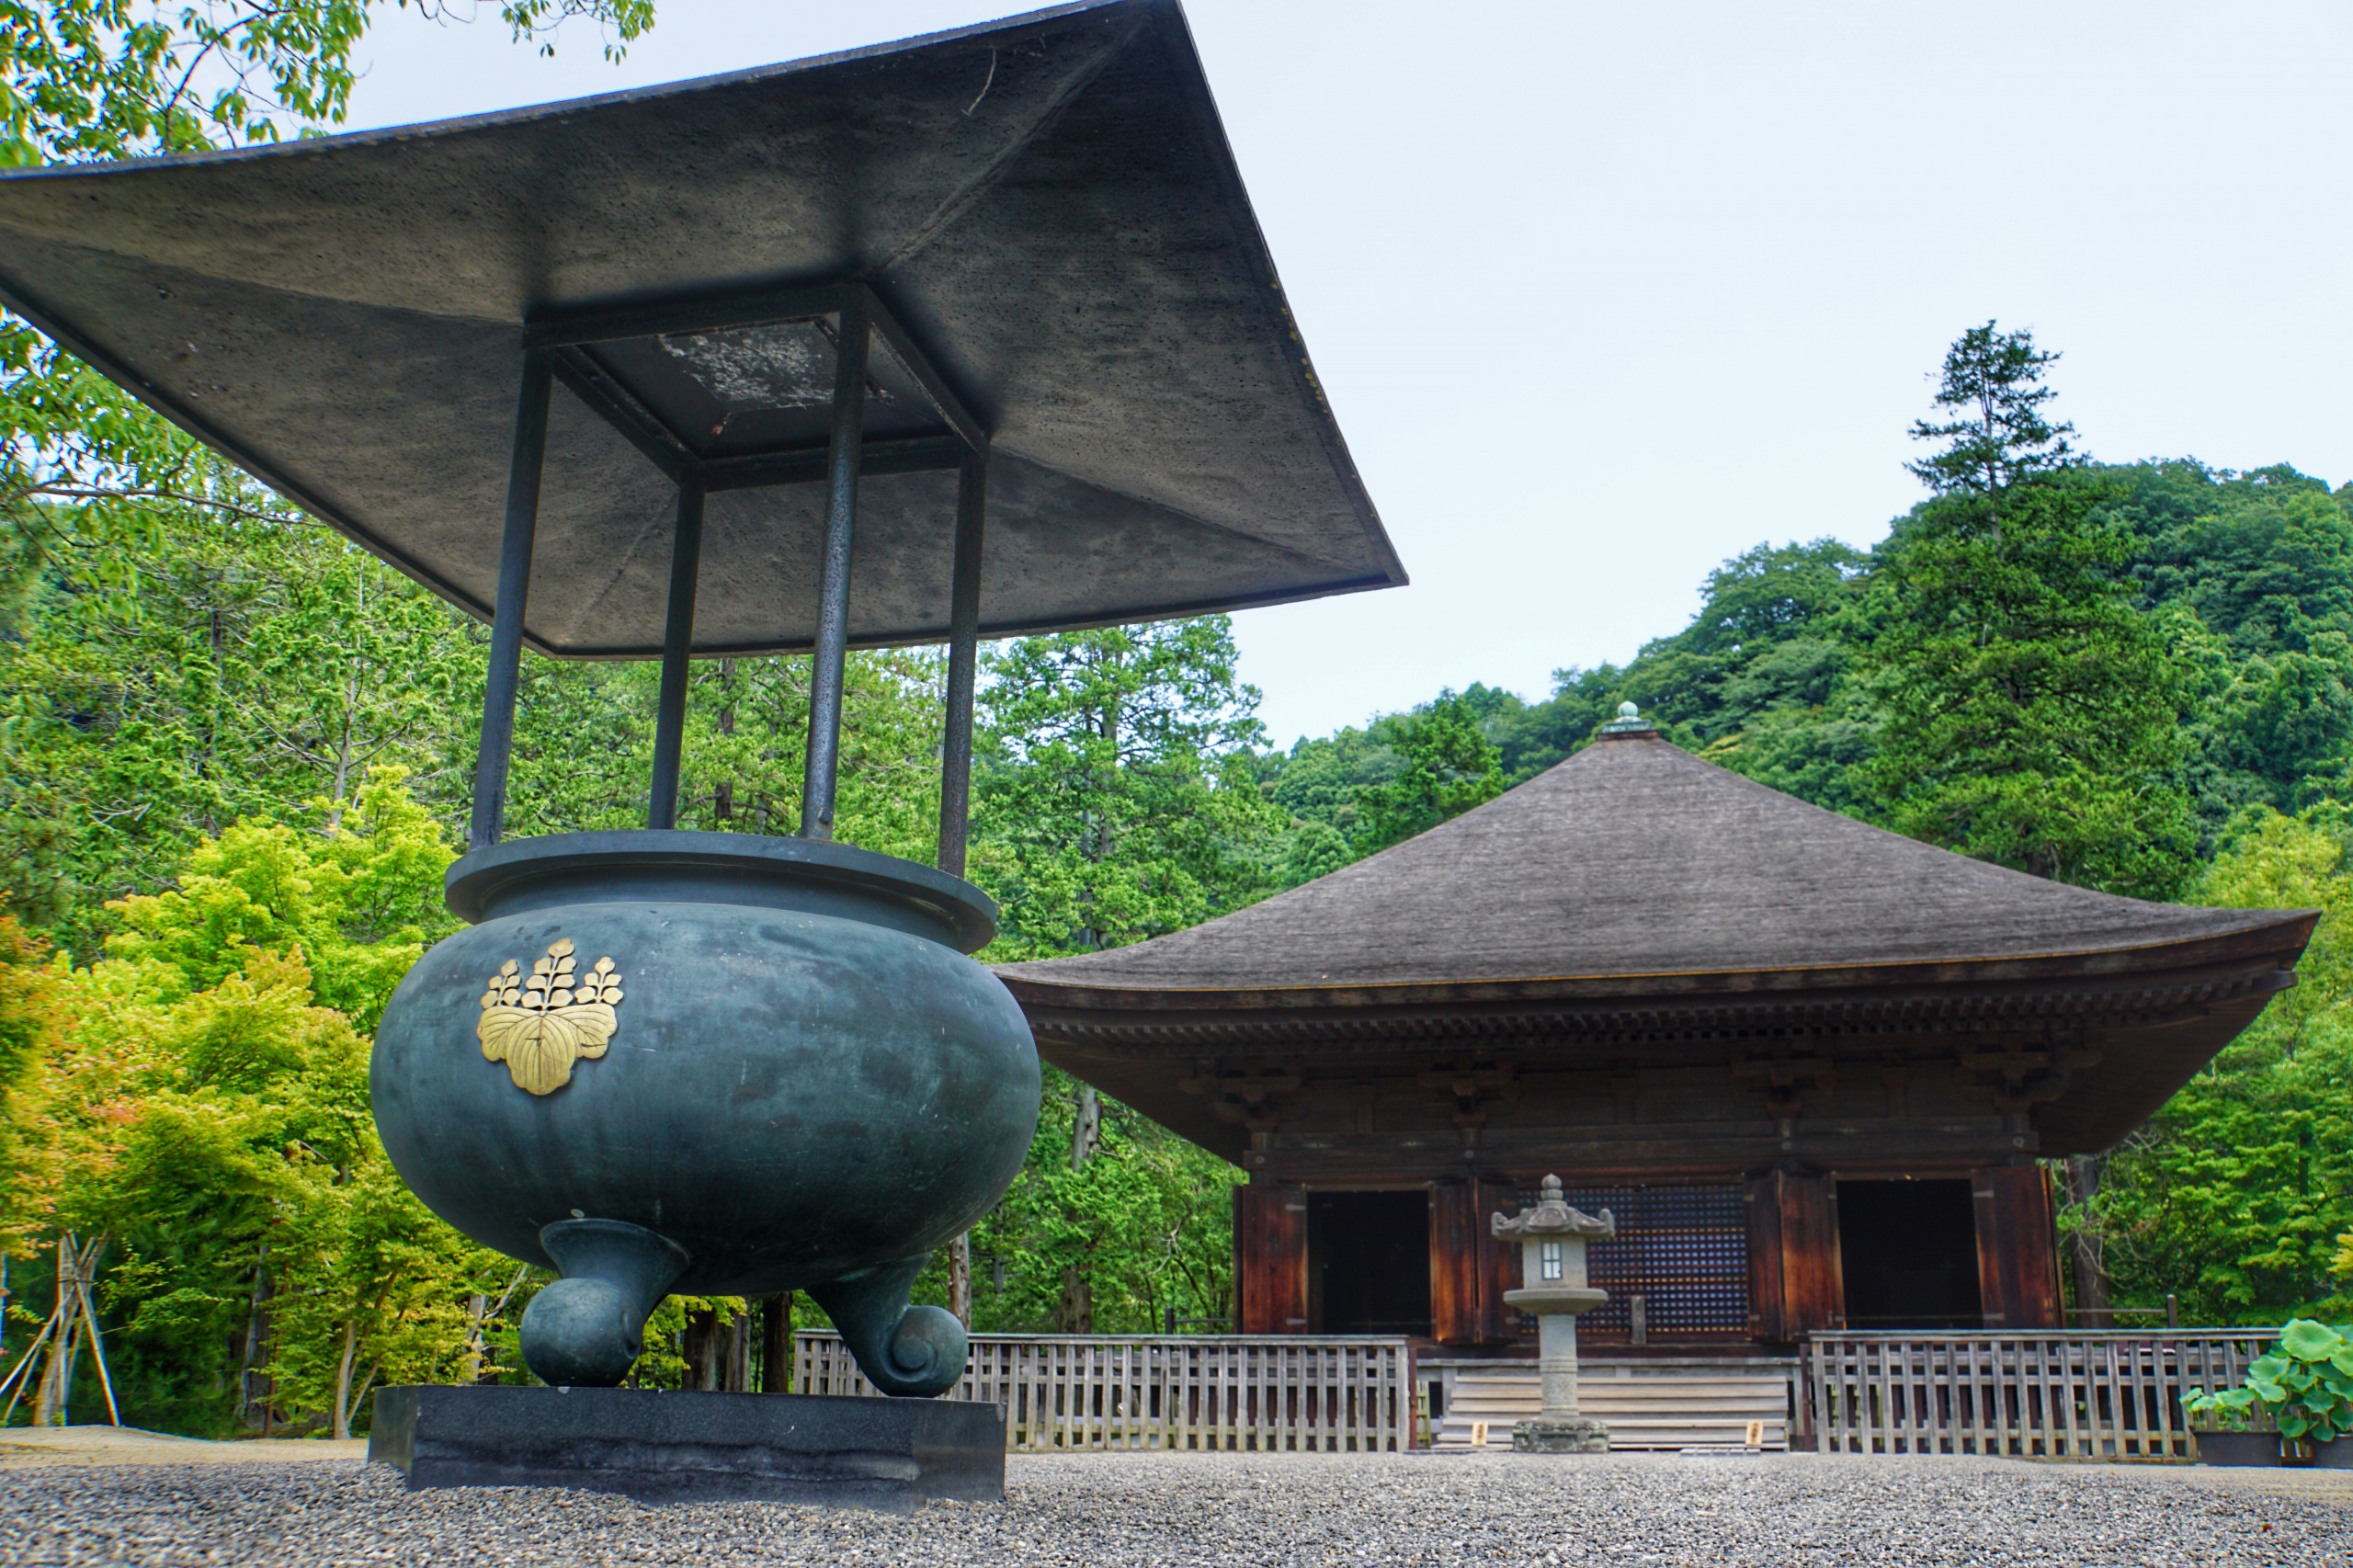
(695, 1447)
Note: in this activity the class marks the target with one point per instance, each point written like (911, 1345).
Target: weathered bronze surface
(812, 1088)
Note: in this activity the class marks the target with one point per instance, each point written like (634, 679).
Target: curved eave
(2280, 941)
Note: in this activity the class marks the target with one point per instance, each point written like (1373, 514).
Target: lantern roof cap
(1552, 1216)
(1044, 210)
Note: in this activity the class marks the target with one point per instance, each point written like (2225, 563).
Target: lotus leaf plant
(2304, 1384)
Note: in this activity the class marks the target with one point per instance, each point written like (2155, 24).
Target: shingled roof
(1636, 904)
(1635, 866)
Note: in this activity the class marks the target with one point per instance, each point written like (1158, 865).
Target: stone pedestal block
(661, 1447)
(1543, 1435)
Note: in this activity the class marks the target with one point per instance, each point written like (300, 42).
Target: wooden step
(1667, 1408)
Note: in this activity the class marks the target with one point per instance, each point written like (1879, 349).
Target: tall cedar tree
(1994, 380)
(2033, 715)
(1117, 801)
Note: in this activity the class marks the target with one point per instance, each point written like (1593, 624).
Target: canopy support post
(514, 588)
(678, 645)
(826, 663)
(964, 654)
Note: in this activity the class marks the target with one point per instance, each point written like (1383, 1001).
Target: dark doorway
(1369, 1262)
(1909, 1251)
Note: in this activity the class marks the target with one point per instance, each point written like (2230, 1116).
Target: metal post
(963, 653)
(832, 595)
(678, 642)
(514, 588)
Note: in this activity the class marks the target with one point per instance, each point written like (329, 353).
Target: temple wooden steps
(1644, 1407)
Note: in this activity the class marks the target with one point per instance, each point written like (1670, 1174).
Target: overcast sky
(1604, 293)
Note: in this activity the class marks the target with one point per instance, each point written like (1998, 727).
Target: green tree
(1116, 797)
(1445, 765)
(1146, 1221)
(2031, 713)
(1992, 381)
(2235, 1195)
(197, 1110)
(100, 498)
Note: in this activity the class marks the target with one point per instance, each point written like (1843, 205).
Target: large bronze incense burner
(732, 368)
(702, 1049)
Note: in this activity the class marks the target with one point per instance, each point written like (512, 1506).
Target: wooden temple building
(1810, 1066)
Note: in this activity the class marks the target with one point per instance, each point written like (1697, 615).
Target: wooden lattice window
(1684, 1250)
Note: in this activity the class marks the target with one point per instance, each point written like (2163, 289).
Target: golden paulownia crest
(541, 1023)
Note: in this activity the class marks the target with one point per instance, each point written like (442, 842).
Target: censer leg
(586, 1329)
(915, 1351)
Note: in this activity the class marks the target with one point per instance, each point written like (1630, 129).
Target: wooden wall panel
(1768, 1315)
(2018, 1254)
(1814, 1274)
(1469, 1270)
(1795, 1281)
(1270, 1258)
(1498, 1262)
(1455, 1291)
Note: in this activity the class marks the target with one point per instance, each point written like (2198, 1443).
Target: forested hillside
(235, 755)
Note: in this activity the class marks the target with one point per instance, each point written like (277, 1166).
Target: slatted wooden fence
(2111, 1394)
(1262, 1393)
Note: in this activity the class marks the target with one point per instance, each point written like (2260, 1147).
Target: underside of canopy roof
(1636, 910)
(1045, 210)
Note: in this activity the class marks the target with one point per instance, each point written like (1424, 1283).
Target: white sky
(1605, 292)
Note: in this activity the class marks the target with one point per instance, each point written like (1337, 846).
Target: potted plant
(2304, 1388)
(2227, 1433)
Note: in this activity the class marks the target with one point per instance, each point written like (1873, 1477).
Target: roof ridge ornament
(1630, 721)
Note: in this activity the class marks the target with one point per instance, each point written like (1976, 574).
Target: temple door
(1469, 1270)
(1796, 1283)
(2017, 1255)
(1270, 1257)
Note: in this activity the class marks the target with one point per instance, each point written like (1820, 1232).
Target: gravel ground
(1177, 1510)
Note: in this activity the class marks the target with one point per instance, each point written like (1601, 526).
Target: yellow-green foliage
(194, 1099)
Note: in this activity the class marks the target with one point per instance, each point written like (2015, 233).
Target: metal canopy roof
(1046, 210)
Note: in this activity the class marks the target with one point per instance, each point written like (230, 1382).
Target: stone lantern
(1551, 1239)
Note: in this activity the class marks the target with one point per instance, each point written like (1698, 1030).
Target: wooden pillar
(1796, 1283)
(1270, 1257)
(1469, 1270)
(775, 1343)
(2018, 1254)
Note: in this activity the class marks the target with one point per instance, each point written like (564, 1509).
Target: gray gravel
(1177, 1510)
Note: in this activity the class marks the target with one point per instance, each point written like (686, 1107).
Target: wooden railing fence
(1066, 1393)
(2111, 1394)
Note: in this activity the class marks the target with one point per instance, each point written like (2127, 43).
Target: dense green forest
(237, 755)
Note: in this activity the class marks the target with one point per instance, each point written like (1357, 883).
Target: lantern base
(1560, 1434)
(658, 1447)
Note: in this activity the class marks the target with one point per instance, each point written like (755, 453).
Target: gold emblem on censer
(541, 1023)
